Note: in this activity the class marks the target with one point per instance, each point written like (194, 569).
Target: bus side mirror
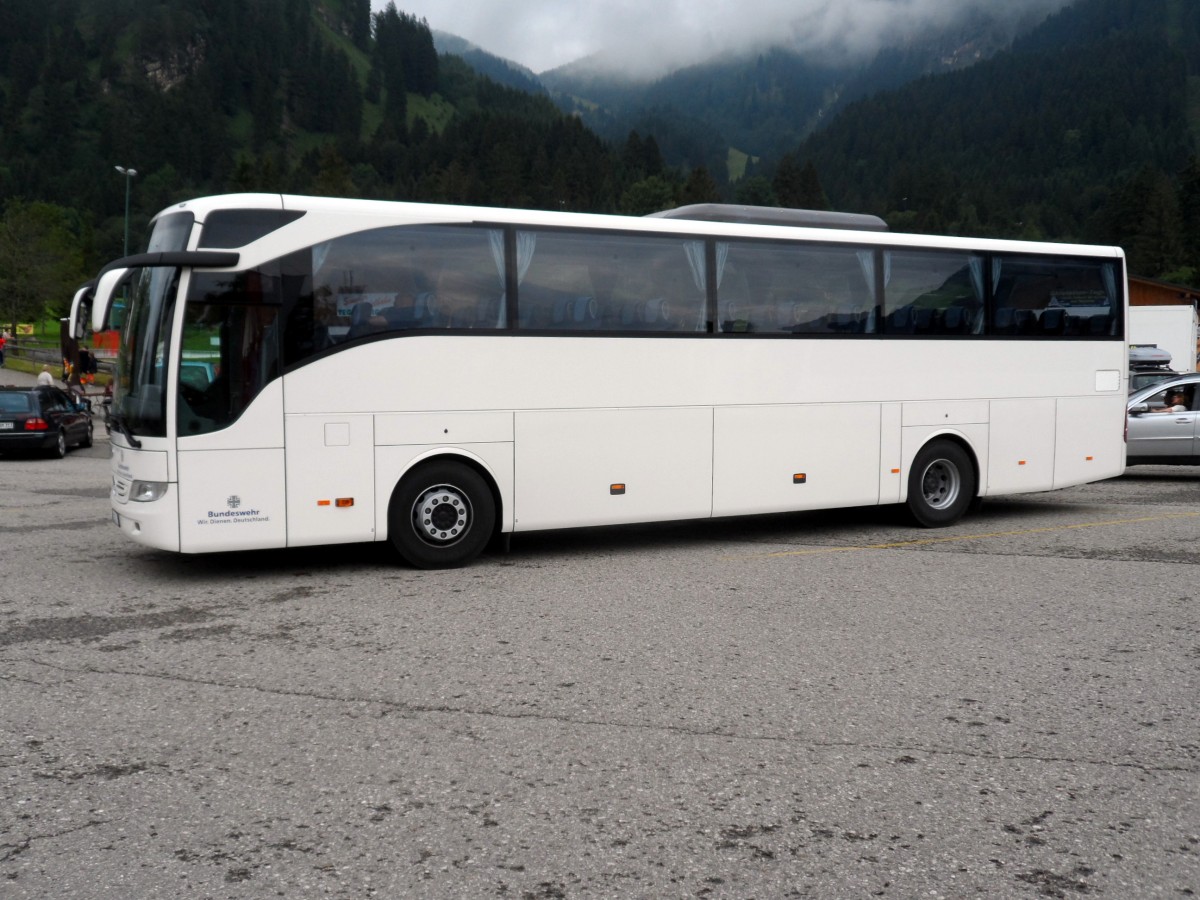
(106, 287)
(80, 312)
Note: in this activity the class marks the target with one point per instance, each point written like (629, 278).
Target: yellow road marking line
(892, 545)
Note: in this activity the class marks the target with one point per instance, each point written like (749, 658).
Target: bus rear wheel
(941, 484)
(441, 516)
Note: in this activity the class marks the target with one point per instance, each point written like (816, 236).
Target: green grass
(435, 110)
(736, 162)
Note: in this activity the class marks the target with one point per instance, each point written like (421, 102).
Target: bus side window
(933, 292)
(556, 290)
(791, 288)
(585, 281)
(1038, 296)
(402, 278)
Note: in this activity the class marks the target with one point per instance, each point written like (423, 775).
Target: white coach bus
(297, 371)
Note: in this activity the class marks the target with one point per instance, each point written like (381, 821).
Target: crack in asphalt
(419, 708)
(11, 851)
(79, 525)
(89, 627)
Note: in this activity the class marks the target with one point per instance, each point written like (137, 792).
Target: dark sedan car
(42, 419)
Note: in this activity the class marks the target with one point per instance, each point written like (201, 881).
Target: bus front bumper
(154, 523)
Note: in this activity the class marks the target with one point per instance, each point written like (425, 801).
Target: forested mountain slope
(1085, 130)
(317, 96)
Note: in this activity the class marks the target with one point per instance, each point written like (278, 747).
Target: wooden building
(1148, 292)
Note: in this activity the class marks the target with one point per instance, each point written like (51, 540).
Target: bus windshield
(139, 394)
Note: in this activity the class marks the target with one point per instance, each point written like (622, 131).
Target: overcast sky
(649, 36)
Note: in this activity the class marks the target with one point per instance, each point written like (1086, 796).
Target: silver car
(1163, 423)
(1143, 378)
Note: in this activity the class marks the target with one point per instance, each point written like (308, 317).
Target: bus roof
(771, 215)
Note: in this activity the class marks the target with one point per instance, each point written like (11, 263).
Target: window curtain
(1109, 275)
(526, 242)
(695, 258)
(319, 254)
(866, 261)
(722, 257)
(976, 264)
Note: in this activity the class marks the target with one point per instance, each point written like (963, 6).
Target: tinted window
(171, 232)
(140, 391)
(398, 279)
(586, 281)
(15, 403)
(54, 400)
(932, 292)
(1036, 296)
(230, 346)
(795, 289)
(238, 227)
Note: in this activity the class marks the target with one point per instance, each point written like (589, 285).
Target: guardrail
(42, 354)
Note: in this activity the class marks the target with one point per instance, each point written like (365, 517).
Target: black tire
(441, 516)
(87, 435)
(59, 450)
(941, 484)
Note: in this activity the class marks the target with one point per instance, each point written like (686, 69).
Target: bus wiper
(118, 423)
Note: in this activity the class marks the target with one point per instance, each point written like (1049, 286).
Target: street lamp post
(129, 175)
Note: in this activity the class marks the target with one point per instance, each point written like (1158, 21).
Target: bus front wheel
(941, 484)
(441, 516)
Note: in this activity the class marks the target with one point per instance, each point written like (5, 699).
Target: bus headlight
(146, 491)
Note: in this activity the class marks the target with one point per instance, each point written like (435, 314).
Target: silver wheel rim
(940, 484)
(442, 515)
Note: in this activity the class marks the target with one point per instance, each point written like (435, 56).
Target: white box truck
(1170, 328)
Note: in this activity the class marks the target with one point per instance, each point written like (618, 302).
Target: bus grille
(120, 489)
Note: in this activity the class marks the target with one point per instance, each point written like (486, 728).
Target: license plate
(6, 426)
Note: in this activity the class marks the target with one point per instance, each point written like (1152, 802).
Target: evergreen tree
(360, 23)
(755, 191)
(798, 186)
(1189, 206)
(649, 195)
(1143, 217)
(41, 260)
(641, 157)
(699, 188)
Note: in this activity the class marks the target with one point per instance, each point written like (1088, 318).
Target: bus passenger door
(228, 416)
(330, 479)
(231, 488)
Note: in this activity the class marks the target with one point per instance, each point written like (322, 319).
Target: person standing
(3, 343)
(44, 376)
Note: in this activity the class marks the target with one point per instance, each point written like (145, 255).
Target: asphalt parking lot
(820, 705)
